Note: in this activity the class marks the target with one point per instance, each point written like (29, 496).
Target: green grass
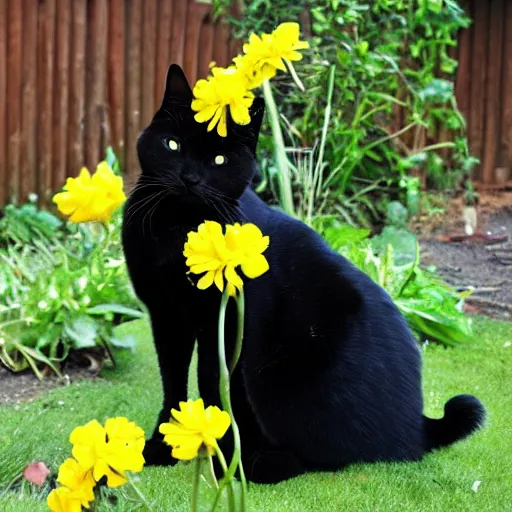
(441, 482)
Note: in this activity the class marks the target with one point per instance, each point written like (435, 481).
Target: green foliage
(59, 293)
(390, 56)
(23, 224)
(391, 259)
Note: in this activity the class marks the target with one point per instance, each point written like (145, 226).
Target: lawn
(443, 481)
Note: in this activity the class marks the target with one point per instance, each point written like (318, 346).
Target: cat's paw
(157, 453)
(272, 466)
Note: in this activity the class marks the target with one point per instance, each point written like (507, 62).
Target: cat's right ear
(177, 92)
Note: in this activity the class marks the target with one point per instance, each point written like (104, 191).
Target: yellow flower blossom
(91, 198)
(109, 451)
(264, 55)
(209, 250)
(224, 88)
(78, 480)
(63, 499)
(193, 427)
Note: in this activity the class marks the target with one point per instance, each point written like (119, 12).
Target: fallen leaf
(36, 473)
(476, 485)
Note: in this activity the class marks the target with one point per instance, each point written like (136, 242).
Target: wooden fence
(484, 85)
(76, 75)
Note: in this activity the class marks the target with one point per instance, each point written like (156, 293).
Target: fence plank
(76, 153)
(195, 16)
(97, 127)
(506, 122)
(133, 84)
(493, 90)
(116, 73)
(61, 96)
(3, 102)
(163, 47)
(28, 105)
(478, 78)
(205, 46)
(148, 61)
(45, 71)
(14, 63)
(179, 22)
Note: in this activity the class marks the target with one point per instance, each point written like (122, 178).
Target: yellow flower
(209, 250)
(224, 88)
(109, 451)
(78, 480)
(248, 242)
(266, 54)
(91, 198)
(63, 499)
(193, 427)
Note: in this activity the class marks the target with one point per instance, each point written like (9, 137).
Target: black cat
(330, 373)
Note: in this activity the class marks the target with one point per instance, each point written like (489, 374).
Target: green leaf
(102, 309)
(127, 341)
(83, 331)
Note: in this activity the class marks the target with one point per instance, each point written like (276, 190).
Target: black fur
(330, 373)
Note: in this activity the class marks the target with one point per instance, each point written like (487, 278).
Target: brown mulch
(25, 386)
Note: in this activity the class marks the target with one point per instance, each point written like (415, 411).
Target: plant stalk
(195, 485)
(225, 397)
(240, 303)
(285, 184)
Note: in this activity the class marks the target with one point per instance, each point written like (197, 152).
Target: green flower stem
(138, 492)
(212, 470)
(285, 184)
(240, 303)
(224, 482)
(195, 485)
(225, 397)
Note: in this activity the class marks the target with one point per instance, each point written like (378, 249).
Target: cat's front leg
(174, 342)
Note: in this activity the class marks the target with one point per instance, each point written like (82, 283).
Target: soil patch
(485, 267)
(25, 386)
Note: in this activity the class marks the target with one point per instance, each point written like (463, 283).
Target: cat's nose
(190, 178)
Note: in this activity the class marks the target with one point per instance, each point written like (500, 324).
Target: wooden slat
(29, 139)
(478, 78)
(3, 103)
(96, 117)
(76, 153)
(179, 22)
(206, 46)
(116, 73)
(133, 88)
(221, 44)
(61, 96)
(195, 16)
(506, 121)
(163, 47)
(148, 61)
(45, 71)
(493, 91)
(14, 63)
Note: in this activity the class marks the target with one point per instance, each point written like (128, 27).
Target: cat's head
(198, 165)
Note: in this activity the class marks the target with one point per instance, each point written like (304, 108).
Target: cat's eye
(220, 160)
(173, 145)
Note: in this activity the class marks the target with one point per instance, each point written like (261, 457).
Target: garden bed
(487, 267)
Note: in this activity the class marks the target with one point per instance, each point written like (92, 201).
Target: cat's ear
(176, 86)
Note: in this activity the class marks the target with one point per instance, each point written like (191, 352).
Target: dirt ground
(25, 386)
(484, 266)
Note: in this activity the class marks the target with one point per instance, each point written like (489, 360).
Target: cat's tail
(463, 414)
